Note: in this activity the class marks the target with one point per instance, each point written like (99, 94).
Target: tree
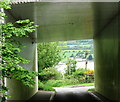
(49, 55)
(90, 57)
(71, 66)
(72, 55)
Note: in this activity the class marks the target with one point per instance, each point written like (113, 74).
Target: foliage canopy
(48, 55)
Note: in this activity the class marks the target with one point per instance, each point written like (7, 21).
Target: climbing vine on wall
(10, 49)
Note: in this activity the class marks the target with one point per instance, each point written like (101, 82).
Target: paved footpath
(74, 94)
(67, 94)
(74, 89)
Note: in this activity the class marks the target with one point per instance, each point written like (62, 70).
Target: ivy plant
(10, 49)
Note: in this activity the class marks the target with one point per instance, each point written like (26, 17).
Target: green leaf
(23, 21)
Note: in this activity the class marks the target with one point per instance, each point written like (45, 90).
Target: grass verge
(84, 84)
(92, 89)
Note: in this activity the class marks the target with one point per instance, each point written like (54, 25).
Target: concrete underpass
(62, 20)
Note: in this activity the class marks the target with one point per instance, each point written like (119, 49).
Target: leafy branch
(10, 49)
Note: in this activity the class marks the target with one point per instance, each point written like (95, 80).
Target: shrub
(49, 74)
(71, 81)
(59, 83)
(68, 76)
(89, 75)
(45, 86)
(48, 88)
(89, 72)
(55, 83)
(79, 73)
(40, 85)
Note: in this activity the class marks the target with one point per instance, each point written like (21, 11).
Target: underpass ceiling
(66, 20)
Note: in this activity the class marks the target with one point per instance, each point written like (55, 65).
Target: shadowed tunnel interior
(62, 21)
(47, 96)
(83, 96)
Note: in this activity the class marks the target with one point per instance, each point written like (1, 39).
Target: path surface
(42, 96)
(73, 89)
(74, 94)
(68, 94)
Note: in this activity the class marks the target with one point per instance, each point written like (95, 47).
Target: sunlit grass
(84, 84)
(92, 89)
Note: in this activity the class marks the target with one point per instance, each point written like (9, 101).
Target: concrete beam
(66, 20)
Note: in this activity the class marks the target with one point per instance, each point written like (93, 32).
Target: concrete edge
(100, 97)
(52, 96)
(94, 95)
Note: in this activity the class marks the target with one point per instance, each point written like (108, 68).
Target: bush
(48, 85)
(90, 75)
(40, 85)
(81, 75)
(44, 86)
(79, 72)
(49, 74)
(55, 83)
(68, 76)
(59, 83)
(89, 72)
(77, 75)
(47, 79)
(71, 81)
(48, 88)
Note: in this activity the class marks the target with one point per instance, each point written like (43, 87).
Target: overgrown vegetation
(49, 56)
(50, 78)
(10, 49)
(49, 74)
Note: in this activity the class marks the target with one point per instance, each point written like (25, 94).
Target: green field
(78, 48)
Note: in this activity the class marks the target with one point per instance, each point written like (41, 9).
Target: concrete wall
(107, 62)
(16, 89)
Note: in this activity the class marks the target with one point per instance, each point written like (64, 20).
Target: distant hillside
(78, 48)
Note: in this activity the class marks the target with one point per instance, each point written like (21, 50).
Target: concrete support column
(16, 89)
(107, 57)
